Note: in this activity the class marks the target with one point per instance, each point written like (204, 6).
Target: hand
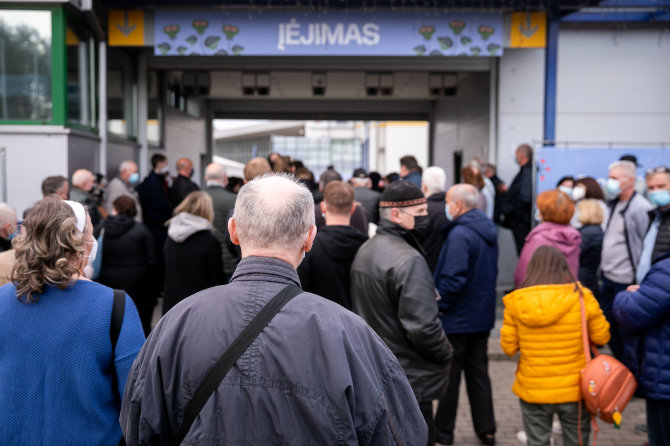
(633, 288)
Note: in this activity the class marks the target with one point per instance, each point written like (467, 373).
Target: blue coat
(466, 274)
(644, 315)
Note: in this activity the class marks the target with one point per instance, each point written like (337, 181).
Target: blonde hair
(46, 252)
(590, 212)
(198, 203)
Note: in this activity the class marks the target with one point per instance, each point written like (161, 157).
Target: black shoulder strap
(232, 354)
(118, 308)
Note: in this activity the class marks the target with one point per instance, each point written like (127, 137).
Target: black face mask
(421, 227)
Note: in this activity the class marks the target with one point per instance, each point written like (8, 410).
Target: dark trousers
(427, 411)
(470, 356)
(519, 231)
(608, 291)
(658, 422)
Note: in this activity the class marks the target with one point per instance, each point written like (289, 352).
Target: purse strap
(587, 356)
(232, 354)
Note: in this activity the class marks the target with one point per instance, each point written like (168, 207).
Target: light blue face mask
(613, 186)
(566, 189)
(446, 211)
(660, 198)
(134, 178)
(538, 216)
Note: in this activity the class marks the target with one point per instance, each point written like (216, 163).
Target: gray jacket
(636, 223)
(116, 188)
(316, 375)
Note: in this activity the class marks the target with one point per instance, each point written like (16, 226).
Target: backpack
(606, 384)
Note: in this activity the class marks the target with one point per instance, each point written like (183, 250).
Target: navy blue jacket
(644, 315)
(466, 274)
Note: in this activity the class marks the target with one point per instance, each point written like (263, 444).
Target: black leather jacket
(393, 290)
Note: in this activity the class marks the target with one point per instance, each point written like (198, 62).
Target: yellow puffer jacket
(543, 322)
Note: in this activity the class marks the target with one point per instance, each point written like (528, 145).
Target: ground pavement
(508, 413)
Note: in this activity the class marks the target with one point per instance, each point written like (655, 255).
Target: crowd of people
(298, 259)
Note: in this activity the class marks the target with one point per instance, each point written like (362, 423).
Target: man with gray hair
(316, 374)
(622, 243)
(124, 184)
(465, 277)
(433, 186)
(83, 182)
(56, 185)
(224, 201)
(8, 221)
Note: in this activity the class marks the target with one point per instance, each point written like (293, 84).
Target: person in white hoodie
(192, 253)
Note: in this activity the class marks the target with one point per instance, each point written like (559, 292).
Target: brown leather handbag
(606, 384)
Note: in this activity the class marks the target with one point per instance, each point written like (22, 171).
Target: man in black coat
(433, 186)
(326, 268)
(156, 210)
(182, 185)
(519, 198)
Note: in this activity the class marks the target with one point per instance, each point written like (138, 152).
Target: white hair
(215, 171)
(466, 194)
(385, 213)
(435, 179)
(127, 165)
(627, 168)
(360, 181)
(7, 214)
(274, 211)
(81, 176)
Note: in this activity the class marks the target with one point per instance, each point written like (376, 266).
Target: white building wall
(404, 138)
(613, 85)
(33, 153)
(185, 136)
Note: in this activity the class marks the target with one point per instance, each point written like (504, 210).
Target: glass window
(122, 93)
(81, 75)
(25, 65)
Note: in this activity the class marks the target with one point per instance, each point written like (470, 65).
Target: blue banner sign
(288, 33)
(555, 163)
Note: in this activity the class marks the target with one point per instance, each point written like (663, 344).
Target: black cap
(631, 158)
(401, 194)
(360, 173)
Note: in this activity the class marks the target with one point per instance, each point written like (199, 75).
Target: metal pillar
(551, 62)
(492, 154)
(142, 114)
(102, 105)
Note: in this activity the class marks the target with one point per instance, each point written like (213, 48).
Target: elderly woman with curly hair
(554, 210)
(62, 381)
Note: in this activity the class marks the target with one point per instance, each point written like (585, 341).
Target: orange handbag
(606, 384)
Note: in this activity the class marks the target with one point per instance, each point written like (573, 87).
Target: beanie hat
(401, 194)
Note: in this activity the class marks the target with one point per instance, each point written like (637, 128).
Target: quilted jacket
(644, 315)
(543, 323)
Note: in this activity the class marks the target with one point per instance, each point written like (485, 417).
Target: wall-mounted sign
(223, 33)
(528, 30)
(126, 28)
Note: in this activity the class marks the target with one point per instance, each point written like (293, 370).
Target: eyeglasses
(659, 169)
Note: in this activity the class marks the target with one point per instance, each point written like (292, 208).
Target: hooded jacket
(128, 257)
(565, 238)
(392, 289)
(326, 268)
(543, 323)
(192, 258)
(644, 316)
(466, 274)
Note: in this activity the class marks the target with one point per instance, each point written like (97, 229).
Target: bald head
(83, 179)
(273, 213)
(461, 198)
(184, 167)
(8, 220)
(126, 169)
(256, 167)
(215, 173)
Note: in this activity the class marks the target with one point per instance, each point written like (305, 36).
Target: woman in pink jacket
(555, 209)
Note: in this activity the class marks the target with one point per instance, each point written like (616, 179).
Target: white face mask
(578, 193)
(94, 251)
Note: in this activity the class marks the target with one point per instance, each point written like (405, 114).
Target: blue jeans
(658, 422)
(608, 291)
